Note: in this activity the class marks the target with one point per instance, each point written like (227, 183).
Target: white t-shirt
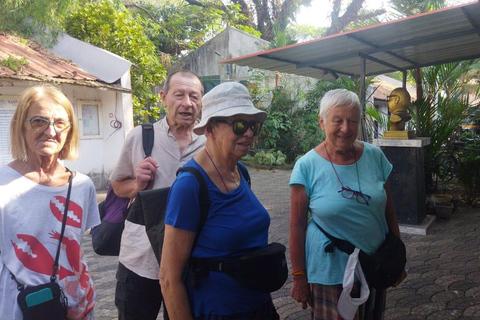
(31, 218)
(136, 252)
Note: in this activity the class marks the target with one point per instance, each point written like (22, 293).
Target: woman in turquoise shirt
(343, 184)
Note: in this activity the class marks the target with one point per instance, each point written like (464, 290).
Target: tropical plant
(469, 167)
(292, 124)
(268, 158)
(439, 112)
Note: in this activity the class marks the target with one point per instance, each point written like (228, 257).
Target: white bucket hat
(347, 306)
(226, 100)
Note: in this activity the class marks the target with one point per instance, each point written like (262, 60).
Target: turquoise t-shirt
(363, 226)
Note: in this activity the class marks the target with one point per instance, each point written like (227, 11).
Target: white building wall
(99, 154)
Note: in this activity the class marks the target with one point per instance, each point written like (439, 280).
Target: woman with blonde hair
(45, 209)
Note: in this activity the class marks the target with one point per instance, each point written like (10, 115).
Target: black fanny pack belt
(263, 269)
(341, 244)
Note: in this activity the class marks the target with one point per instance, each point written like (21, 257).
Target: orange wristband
(299, 273)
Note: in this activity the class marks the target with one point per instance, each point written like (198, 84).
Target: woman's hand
(298, 225)
(301, 291)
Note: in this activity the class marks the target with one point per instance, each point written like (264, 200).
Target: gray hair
(184, 73)
(338, 98)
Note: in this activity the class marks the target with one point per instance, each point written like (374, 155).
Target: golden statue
(398, 102)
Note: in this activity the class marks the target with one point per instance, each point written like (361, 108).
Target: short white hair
(338, 98)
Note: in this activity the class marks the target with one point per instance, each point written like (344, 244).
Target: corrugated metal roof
(447, 35)
(43, 65)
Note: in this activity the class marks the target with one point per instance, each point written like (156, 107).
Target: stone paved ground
(443, 267)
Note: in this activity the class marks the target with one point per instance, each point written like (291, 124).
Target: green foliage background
(112, 27)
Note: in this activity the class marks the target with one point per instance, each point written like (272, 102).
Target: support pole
(363, 98)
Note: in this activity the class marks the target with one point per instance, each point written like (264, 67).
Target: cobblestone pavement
(443, 266)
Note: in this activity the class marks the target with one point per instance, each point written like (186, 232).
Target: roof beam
(366, 56)
(354, 37)
(470, 19)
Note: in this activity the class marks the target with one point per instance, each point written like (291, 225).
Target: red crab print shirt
(31, 218)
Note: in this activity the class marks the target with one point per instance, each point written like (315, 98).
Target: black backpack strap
(243, 171)
(203, 197)
(147, 138)
(341, 244)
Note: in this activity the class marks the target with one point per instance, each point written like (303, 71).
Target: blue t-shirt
(236, 223)
(363, 226)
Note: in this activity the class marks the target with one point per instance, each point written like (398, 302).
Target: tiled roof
(42, 65)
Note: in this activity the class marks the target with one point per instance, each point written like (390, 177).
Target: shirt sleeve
(300, 174)
(183, 205)
(125, 168)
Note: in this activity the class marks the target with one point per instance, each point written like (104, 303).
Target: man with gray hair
(138, 294)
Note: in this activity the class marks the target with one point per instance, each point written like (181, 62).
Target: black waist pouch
(386, 266)
(43, 302)
(263, 270)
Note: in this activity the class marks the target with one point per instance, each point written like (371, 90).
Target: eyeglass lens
(348, 193)
(41, 124)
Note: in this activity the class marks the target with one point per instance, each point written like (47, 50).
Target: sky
(317, 14)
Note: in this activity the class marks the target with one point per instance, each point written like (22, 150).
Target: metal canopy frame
(432, 38)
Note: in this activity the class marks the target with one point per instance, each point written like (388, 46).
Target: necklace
(338, 178)
(218, 171)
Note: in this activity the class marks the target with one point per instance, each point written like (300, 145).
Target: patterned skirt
(325, 299)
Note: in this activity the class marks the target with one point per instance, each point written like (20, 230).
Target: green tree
(176, 27)
(42, 17)
(261, 15)
(112, 27)
(351, 16)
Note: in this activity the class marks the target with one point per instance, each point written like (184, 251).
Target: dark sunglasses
(239, 127)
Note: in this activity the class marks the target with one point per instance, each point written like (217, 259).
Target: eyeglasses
(41, 124)
(348, 193)
(393, 95)
(239, 127)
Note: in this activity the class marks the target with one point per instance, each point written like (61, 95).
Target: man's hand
(145, 171)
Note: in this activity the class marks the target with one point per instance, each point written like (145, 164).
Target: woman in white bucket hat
(236, 221)
(343, 184)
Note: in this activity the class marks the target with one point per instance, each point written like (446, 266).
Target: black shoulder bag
(381, 269)
(46, 301)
